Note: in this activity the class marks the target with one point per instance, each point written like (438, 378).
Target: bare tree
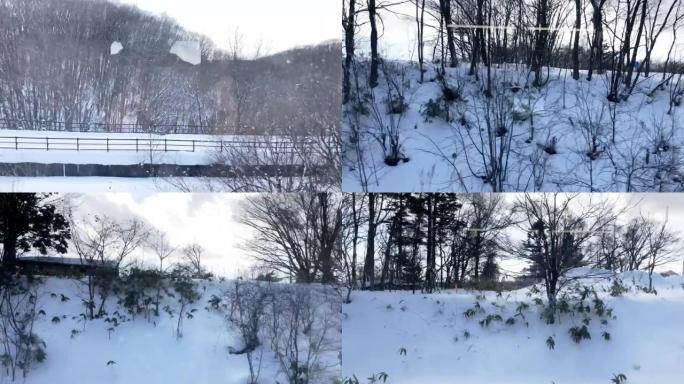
(162, 249)
(295, 234)
(661, 246)
(193, 257)
(105, 244)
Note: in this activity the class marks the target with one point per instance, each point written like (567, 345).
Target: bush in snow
(136, 291)
(435, 109)
(297, 321)
(186, 290)
(617, 288)
(21, 347)
(380, 377)
(248, 304)
(396, 104)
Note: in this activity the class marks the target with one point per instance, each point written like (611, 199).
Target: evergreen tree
(490, 269)
(30, 221)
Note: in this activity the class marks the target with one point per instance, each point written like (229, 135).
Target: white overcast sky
(398, 32)
(279, 24)
(206, 218)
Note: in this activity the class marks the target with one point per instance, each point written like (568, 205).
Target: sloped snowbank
(634, 139)
(427, 339)
(139, 350)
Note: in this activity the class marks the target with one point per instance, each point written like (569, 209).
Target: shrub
(489, 319)
(550, 146)
(396, 105)
(551, 343)
(579, 333)
(136, 291)
(520, 113)
(617, 288)
(435, 109)
(451, 94)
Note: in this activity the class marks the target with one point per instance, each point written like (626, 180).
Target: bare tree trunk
(632, 61)
(596, 49)
(369, 263)
(430, 261)
(541, 41)
(9, 251)
(349, 49)
(420, 25)
(445, 8)
(373, 80)
(575, 44)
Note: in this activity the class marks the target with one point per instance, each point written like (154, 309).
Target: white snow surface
(646, 343)
(142, 351)
(96, 184)
(188, 51)
(446, 156)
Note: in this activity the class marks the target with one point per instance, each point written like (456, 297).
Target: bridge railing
(62, 126)
(47, 143)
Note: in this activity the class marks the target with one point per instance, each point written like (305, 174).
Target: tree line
(617, 38)
(432, 241)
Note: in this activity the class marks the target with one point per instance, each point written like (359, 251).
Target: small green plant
(579, 333)
(435, 109)
(619, 378)
(396, 105)
(521, 113)
(551, 343)
(451, 94)
(470, 312)
(489, 319)
(56, 319)
(617, 288)
(402, 351)
(111, 362)
(605, 335)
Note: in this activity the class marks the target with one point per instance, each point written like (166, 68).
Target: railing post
(136, 144)
(108, 144)
(16, 143)
(221, 150)
(165, 146)
(47, 143)
(193, 145)
(77, 146)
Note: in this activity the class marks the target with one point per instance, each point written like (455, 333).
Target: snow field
(428, 339)
(140, 350)
(441, 156)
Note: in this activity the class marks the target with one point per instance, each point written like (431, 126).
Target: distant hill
(56, 66)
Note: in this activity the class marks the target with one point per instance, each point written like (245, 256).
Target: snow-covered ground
(419, 338)
(140, 351)
(635, 143)
(98, 184)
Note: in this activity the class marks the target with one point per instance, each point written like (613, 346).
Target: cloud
(205, 218)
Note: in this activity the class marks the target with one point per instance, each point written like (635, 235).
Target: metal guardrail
(135, 144)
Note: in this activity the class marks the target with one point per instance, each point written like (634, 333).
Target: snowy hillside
(445, 134)
(469, 337)
(126, 347)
